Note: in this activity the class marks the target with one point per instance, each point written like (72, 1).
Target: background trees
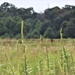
(47, 24)
(49, 33)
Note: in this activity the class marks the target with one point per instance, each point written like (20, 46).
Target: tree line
(47, 24)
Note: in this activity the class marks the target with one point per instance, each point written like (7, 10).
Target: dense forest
(47, 24)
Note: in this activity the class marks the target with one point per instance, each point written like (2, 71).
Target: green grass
(36, 57)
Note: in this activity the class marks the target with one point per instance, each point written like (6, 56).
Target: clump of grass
(72, 64)
(22, 36)
(64, 60)
(61, 33)
(41, 65)
(47, 59)
(25, 63)
(64, 56)
(23, 49)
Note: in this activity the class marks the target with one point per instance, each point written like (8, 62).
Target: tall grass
(37, 57)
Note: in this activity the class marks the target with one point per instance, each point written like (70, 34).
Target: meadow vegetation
(36, 57)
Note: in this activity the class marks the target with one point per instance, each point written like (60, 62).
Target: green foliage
(55, 18)
(44, 26)
(49, 33)
(34, 34)
(69, 30)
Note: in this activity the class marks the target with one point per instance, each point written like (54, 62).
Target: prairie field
(37, 57)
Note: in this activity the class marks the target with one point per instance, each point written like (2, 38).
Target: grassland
(36, 57)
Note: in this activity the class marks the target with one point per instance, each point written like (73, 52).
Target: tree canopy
(47, 24)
